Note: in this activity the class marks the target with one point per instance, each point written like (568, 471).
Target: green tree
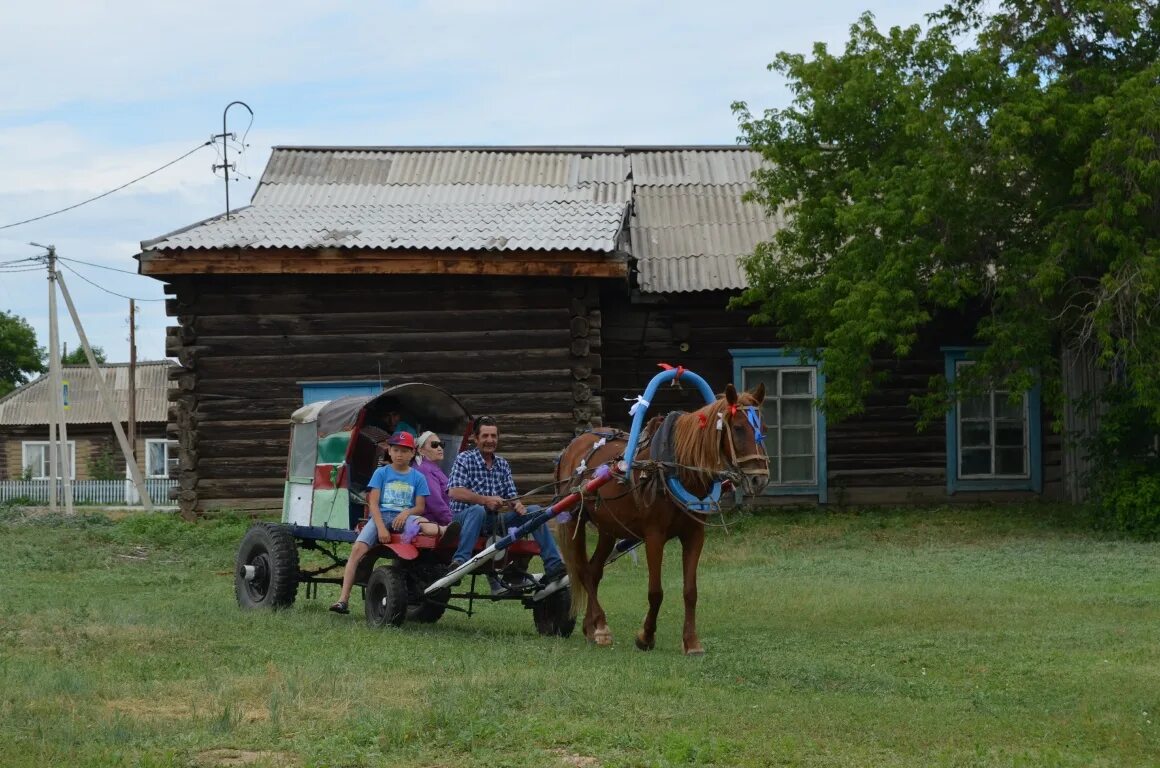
(19, 354)
(1004, 158)
(77, 356)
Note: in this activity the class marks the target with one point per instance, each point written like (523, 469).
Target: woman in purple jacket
(438, 509)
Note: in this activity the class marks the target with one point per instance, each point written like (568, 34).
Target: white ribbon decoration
(582, 468)
(600, 443)
(720, 422)
(640, 404)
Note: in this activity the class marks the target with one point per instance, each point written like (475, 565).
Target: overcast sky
(95, 94)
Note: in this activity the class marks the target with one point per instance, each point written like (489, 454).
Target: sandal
(340, 607)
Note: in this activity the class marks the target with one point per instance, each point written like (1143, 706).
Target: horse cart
(333, 453)
(647, 486)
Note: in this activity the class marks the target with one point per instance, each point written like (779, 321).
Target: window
(37, 461)
(795, 430)
(992, 442)
(160, 458)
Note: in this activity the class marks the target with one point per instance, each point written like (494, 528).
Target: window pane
(976, 434)
(975, 408)
(1005, 409)
(798, 470)
(769, 412)
(1009, 461)
(774, 471)
(975, 461)
(751, 377)
(155, 458)
(1008, 433)
(797, 383)
(772, 442)
(797, 413)
(796, 441)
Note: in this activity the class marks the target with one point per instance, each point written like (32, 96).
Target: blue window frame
(314, 391)
(795, 429)
(992, 443)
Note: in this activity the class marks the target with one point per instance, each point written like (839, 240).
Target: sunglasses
(434, 444)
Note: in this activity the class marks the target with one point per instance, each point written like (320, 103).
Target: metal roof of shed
(31, 404)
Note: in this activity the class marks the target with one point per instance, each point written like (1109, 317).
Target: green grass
(1005, 636)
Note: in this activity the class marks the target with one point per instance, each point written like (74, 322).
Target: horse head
(744, 441)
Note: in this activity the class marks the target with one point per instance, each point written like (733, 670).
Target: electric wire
(100, 266)
(106, 194)
(103, 288)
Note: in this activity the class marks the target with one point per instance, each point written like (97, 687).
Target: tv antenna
(225, 136)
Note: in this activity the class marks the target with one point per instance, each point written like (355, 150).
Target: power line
(103, 288)
(111, 191)
(101, 266)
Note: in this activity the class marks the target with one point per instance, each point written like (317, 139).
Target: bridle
(735, 462)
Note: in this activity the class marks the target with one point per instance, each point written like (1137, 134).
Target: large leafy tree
(1005, 157)
(19, 354)
(77, 356)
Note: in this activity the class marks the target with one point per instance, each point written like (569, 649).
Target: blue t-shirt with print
(397, 490)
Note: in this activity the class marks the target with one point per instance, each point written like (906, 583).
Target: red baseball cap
(404, 439)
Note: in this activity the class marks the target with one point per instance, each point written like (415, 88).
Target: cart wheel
(385, 598)
(552, 614)
(423, 608)
(266, 571)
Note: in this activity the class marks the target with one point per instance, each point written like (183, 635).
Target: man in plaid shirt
(481, 482)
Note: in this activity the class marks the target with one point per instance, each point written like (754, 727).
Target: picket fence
(112, 492)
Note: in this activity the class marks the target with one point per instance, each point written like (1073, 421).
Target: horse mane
(697, 446)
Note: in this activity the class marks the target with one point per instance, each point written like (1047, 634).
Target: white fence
(112, 492)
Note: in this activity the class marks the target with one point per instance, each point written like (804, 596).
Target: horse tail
(572, 549)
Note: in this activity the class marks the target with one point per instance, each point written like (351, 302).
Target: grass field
(947, 637)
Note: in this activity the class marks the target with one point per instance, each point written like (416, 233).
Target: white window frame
(170, 445)
(46, 458)
(745, 360)
(991, 395)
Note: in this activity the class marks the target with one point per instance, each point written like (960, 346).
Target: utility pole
(106, 398)
(133, 380)
(225, 136)
(59, 456)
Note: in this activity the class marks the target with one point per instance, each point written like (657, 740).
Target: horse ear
(731, 394)
(759, 393)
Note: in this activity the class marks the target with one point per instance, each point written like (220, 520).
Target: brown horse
(716, 440)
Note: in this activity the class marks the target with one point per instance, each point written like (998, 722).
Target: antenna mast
(225, 136)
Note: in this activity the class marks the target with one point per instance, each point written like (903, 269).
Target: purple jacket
(437, 510)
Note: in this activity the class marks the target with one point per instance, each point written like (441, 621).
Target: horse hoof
(602, 637)
(696, 650)
(645, 645)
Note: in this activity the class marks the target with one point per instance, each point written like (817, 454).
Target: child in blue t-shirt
(396, 497)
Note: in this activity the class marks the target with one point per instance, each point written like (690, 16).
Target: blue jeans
(474, 520)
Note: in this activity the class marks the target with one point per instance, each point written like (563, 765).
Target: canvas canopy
(423, 405)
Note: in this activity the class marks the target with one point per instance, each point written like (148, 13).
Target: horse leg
(601, 634)
(691, 544)
(654, 546)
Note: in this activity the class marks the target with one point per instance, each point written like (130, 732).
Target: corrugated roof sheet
(686, 204)
(573, 225)
(691, 236)
(30, 405)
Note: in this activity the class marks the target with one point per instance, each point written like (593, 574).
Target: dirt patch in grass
(226, 758)
(574, 760)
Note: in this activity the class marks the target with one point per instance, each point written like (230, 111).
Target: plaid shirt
(471, 472)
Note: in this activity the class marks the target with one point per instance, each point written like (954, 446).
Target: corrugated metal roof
(436, 168)
(695, 166)
(439, 194)
(686, 202)
(574, 225)
(692, 237)
(30, 405)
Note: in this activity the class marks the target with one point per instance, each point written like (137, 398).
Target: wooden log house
(540, 285)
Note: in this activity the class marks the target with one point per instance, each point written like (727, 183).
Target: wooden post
(106, 398)
(59, 454)
(133, 381)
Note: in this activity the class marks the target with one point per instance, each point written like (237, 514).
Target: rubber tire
(422, 609)
(385, 598)
(270, 547)
(551, 614)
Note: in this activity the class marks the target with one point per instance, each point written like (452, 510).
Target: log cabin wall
(526, 350)
(877, 457)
